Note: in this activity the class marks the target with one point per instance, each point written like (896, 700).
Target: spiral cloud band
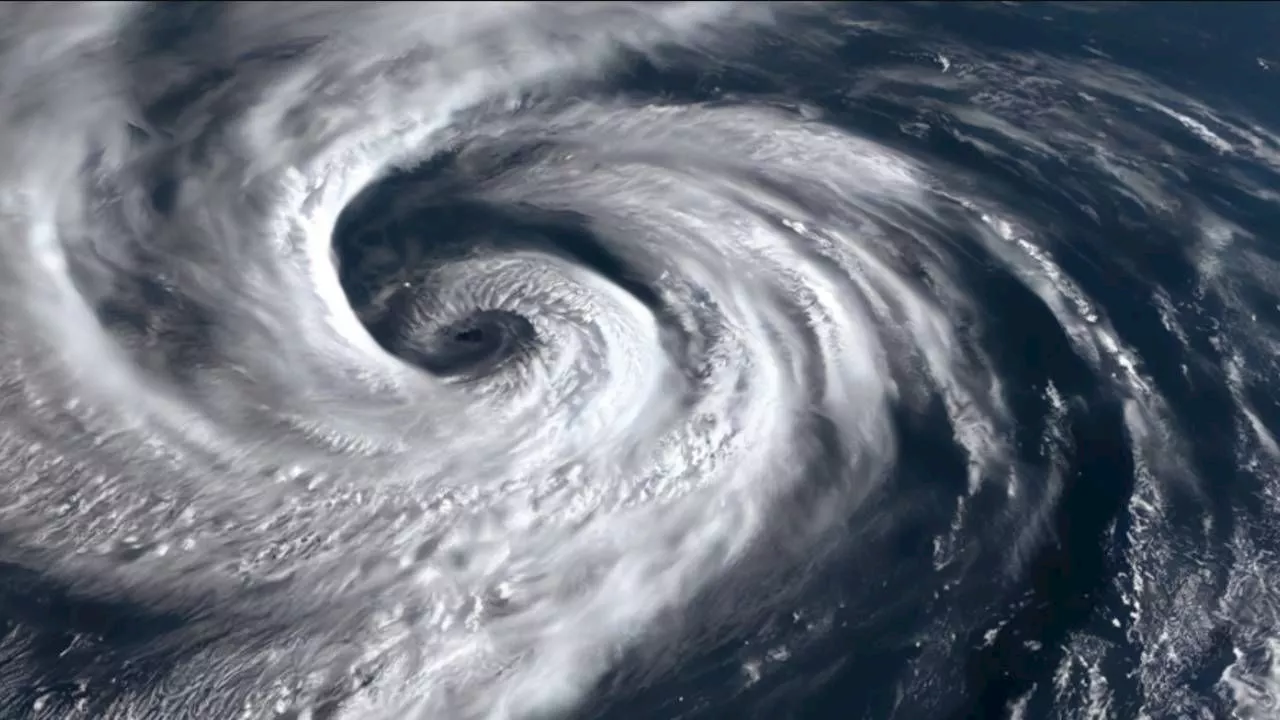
(377, 361)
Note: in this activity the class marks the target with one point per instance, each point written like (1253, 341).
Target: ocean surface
(640, 360)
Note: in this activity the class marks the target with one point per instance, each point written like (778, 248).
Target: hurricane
(532, 360)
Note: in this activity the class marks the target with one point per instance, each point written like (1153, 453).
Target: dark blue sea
(1020, 643)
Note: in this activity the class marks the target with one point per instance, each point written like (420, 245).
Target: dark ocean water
(1119, 276)
(1223, 54)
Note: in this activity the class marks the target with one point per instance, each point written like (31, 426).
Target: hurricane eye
(470, 336)
(474, 346)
